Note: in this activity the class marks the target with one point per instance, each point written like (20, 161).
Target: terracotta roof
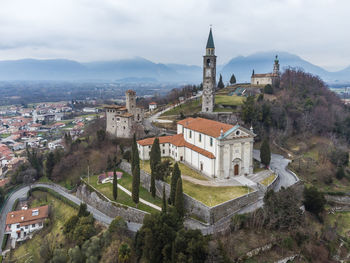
(179, 141)
(205, 126)
(153, 103)
(3, 182)
(27, 215)
(162, 139)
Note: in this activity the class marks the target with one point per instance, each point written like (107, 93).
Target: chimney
(221, 133)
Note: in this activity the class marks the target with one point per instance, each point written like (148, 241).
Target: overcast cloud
(175, 31)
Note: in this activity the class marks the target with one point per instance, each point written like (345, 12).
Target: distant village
(39, 126)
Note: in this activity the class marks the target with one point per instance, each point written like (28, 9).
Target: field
(123, 198)
(188, 108)
(268, 180)
(60, 212)
(185, 170)
(229, 100)
(208, 195)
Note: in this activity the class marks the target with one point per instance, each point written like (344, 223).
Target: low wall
(193, 206)
(128, 213)
(274, 183)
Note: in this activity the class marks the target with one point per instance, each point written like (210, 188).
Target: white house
(21, 224)
(216, 149)
(55, 144)
(152, 106)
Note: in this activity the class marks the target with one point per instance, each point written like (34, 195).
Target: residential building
(21, 224)
(216, 149)
(152, 106)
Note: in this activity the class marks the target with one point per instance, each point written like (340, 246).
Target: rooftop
(205, 126)
(26, 217)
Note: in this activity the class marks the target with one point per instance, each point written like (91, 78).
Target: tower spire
(210, 42)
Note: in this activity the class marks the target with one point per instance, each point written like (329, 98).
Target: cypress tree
(136, 184)
(265, 153)
(135, 165)
(179, 199)
(175, 176)
(155, 156)
(164, 200)
(233, 79)
(221, 84)
(115, 184)
(153, 185)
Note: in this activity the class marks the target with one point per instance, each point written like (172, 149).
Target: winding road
(22, 193)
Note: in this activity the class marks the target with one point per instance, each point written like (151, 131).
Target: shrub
(314, 200)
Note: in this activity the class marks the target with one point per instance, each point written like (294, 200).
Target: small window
(149, 147)
(237, 133)
(211, 141)
(163, 151)
(163, 144)
(17, 226)
(26, 227)
(33, 225)
(124, 127)
(200, 137)
(40, 223)
(190, 134)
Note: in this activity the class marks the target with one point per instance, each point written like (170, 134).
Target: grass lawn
(210, 195)
(191, 107)
(185, 170)
(229, 100)
(60, 213)
(268, 180)
(124, 198)
(342, 219)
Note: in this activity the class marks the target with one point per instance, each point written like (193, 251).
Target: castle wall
(261, 80)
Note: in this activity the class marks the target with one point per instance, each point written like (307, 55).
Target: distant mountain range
(143, 70)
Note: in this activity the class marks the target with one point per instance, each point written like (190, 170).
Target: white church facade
(215, 149)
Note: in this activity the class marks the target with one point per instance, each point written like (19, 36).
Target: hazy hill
(140, 69)
(263, 63)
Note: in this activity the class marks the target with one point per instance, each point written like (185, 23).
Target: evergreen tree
(135, 165)
(340, 173)
(179, 199)
(221, 84)
(115, 184)
(136, 184)
(164, 208)
(50, 163)
(233, 79)
(175, 176)
(265, 153)
(153, 185)
(155, 156)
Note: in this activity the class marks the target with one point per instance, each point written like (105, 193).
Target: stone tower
(209, 76)
(130, 96)
(276, 67)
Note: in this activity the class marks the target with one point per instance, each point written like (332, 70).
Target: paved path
(141, 200)
(22, 193)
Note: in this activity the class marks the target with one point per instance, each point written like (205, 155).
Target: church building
(216, 149)
(268, 78)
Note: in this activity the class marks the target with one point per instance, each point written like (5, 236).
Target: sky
(175, 31)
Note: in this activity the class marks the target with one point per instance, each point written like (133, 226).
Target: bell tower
(209, 76)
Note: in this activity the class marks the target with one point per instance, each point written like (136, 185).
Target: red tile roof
(178, 141)
(27, 215)
(205, 126)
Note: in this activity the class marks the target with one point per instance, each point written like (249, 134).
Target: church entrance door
(236, 169)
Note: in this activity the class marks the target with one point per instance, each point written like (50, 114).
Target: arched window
(208, 62)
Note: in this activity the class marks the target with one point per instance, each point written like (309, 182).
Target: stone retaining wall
(193, 206)
(128, 213)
